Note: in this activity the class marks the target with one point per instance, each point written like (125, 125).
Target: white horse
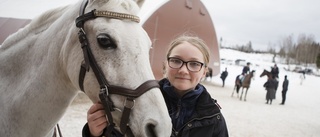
(40, 67)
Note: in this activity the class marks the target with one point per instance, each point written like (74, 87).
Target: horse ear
(139, 2)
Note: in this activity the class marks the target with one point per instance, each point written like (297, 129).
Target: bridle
(105, 88)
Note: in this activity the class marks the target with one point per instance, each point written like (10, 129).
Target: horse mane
(45, 20)
(37, 25)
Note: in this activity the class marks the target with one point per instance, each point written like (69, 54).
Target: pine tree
(318, 61)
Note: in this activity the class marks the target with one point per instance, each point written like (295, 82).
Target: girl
(192, 110)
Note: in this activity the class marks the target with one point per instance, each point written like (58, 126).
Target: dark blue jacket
(245, 70)
(275, 72)
(285, 85)
(205, 120)
(224, 75)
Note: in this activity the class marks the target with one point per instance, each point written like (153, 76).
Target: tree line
(305, 50)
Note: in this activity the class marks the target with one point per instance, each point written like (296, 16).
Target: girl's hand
(97, 120)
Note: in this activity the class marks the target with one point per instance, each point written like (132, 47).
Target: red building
(176, 17)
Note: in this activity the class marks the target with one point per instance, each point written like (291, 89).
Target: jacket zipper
(177, 132)
(178, 109)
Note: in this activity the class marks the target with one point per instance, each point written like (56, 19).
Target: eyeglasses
(176, 63)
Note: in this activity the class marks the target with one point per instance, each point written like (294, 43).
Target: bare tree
(286, 49)
(305, 50)
(271, 49)
(318, 60)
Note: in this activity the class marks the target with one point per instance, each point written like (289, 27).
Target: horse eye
(105, 41)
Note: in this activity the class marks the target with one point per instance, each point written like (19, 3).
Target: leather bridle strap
(131, 95)
(134, 93)
(129, 102)
(105, 88)
(89, 60)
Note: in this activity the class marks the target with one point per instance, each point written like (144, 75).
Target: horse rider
(245, 71)
(275, 72)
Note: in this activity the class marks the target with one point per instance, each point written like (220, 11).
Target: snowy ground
(299, 117)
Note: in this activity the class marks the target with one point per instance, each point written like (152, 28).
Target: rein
(105, 88)
(57, 129)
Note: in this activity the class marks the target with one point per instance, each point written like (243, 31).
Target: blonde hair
(195, 41)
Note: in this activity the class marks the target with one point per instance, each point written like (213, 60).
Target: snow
(252, 118)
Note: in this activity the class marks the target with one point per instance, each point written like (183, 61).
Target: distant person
(209, 73)
(285, 85)
(275, 71)
(302, 77)
(270, 86)
(275, 75)
(223, 76)
(246, 69)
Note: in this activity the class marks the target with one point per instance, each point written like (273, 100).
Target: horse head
(252, 73)
(265, 73)
(120, 65)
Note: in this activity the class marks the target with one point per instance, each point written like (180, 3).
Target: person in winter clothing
(275, 75)
(284, 89)
(270, 86)
(246, 69)
(192, 110)
(223, 76)
(209, 73)
(302, 77)
(275, 71)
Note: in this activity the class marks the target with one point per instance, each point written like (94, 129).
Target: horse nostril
(150, 128)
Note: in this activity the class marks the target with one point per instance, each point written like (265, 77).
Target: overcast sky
(263, 22)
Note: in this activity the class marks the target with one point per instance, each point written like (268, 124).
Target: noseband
(105, 88)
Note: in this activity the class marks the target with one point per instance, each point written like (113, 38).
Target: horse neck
(32, 74)
(35, 27)
(36, 48)
(248, 77)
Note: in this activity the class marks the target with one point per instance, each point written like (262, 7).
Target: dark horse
(209, 73)
(269, 75)
(245, 85)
